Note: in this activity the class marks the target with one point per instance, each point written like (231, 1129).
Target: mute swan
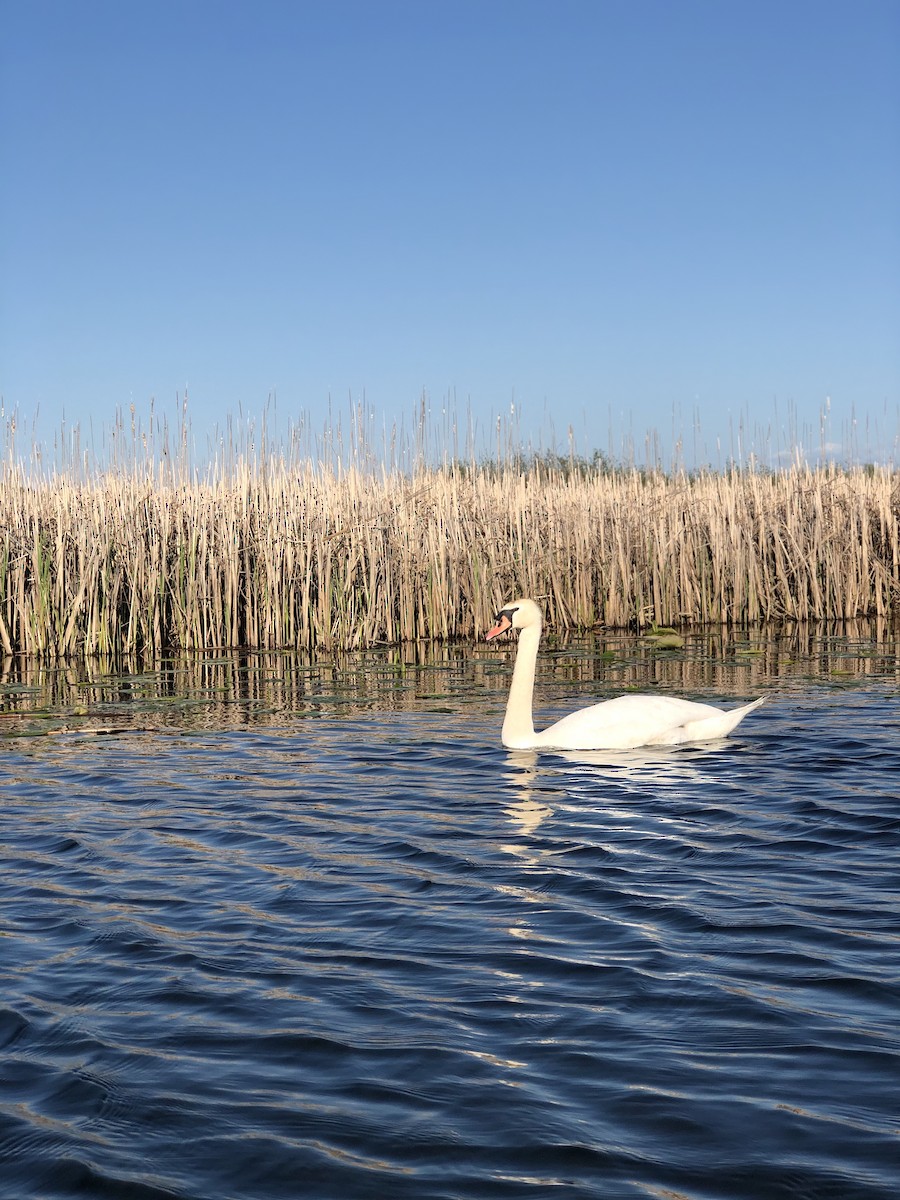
(620, 724)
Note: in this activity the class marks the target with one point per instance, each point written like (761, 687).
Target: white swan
(620, 724)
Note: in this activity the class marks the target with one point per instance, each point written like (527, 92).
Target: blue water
(331, 940)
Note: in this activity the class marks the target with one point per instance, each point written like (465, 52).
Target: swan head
(518, 614)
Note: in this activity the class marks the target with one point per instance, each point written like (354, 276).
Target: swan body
(621, 724)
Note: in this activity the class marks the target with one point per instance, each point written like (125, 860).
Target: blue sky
(618, 215)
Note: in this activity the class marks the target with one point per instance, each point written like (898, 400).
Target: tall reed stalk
(270, 553)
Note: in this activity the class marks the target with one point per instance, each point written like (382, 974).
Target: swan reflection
(667, 765)
(525, 810)
(539, 782)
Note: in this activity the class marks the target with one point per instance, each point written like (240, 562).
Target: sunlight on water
(280, 927)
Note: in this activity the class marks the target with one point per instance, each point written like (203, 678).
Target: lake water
(281, 927)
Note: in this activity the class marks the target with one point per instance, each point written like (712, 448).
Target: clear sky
(614, 214)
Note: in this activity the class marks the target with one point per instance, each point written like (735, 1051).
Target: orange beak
(503, 623)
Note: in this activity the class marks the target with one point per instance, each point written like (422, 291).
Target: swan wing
(630, 721)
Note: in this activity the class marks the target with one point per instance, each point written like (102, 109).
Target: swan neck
(518, 725)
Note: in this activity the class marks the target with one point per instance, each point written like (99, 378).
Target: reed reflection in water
(237, 688)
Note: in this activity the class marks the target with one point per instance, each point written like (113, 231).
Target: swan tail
(707, 729)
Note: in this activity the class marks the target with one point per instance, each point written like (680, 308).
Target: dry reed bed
(274, 556)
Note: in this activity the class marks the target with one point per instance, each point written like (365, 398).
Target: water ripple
(356, 957)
